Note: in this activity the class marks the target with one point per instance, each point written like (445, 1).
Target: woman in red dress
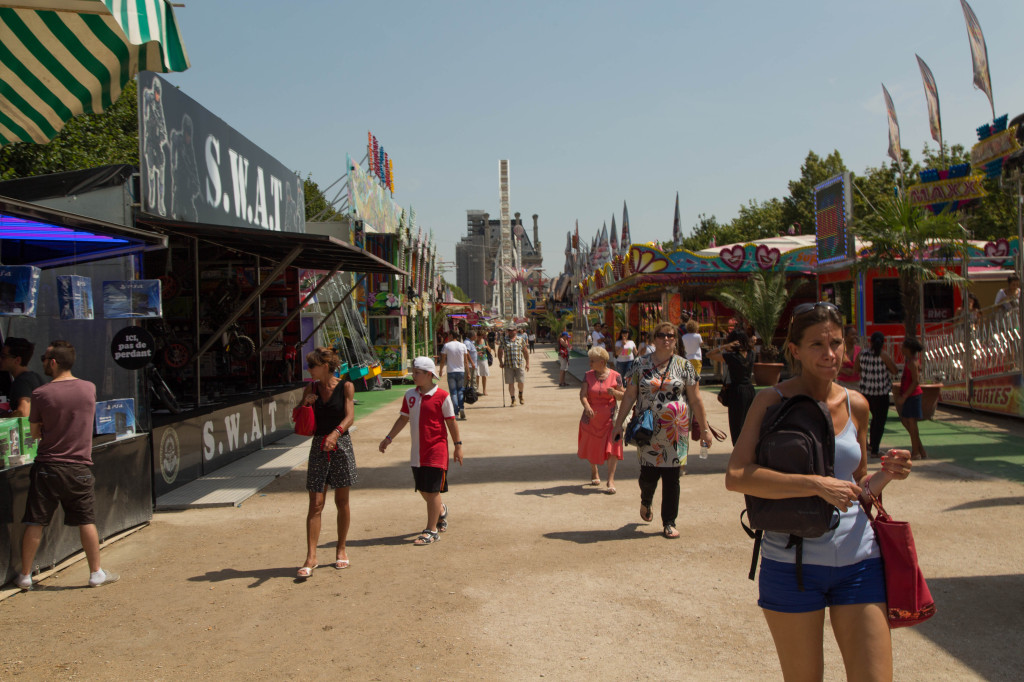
(602, 387)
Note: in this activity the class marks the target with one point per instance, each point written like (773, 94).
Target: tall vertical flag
(931, 94)
(895, 151)
(979, 54)
(677, 225)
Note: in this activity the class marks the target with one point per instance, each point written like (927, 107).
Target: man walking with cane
(514, 359)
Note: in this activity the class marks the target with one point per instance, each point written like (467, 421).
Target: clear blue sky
(592, 102)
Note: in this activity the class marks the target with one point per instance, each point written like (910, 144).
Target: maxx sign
(197, 169)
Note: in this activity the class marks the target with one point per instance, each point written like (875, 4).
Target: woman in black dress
(331, 459)
(739, 359)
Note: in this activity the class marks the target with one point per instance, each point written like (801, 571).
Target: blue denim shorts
(860, 583)
(912, 408)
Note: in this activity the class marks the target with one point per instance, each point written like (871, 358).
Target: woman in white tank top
(841, 570)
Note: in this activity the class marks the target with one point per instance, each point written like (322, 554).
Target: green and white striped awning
(61, 58)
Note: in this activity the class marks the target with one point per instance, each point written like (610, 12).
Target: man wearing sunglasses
(14, 359)
(62, 419)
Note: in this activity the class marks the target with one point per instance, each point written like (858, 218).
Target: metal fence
(986, 343)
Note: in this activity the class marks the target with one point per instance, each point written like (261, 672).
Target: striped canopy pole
(62, 58)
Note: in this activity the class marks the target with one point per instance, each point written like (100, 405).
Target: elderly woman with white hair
(601, 389)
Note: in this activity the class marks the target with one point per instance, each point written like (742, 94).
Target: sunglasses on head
(808, 307)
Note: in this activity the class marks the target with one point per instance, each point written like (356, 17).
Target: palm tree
(760, 300)
(917, 245)
(556, 324)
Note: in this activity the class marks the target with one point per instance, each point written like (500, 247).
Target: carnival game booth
(234, 327)
(655, 285)
(972, 359)
(398, 310)
(68, 276)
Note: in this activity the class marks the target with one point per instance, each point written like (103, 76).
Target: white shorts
(563, 363)
(482, 369)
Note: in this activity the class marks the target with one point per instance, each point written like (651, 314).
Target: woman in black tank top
(332, 461)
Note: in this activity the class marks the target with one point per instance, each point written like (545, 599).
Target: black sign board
(196, 446)
(195, 168)
(132, 347)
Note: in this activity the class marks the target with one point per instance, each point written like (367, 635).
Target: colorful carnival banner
(369, 201)
(1001, 395)
(648, 267)
(949, 188)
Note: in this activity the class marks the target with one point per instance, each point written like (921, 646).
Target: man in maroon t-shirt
(62, 414)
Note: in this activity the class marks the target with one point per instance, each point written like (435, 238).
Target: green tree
(317, 205)
(760, 300)
(757, 221)
(457, 291)
(555, 322)
(87, 141)
(916, 245)
(706, 229)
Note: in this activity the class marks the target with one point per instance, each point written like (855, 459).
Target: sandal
(342, 563)
(611, 490)
(595, 481)
(427, 537)
(306, 571)
(442, 521)
(646, 513)
(671, 533)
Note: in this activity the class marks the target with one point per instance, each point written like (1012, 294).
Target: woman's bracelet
(387, 438)
(341, 431)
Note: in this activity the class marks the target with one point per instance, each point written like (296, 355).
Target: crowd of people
(841, 570)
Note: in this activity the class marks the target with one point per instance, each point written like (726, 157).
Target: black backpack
(797, 437)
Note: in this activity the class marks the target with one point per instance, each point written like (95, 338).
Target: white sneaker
(24, 582)
(106, 578)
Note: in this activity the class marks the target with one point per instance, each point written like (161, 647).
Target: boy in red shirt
(430, 410)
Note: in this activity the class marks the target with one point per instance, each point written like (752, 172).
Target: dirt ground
(539, 576)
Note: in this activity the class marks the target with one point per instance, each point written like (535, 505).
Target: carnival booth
(235, 294)
(973, 358)
(655, 285)
(77, 278)
(397, 309)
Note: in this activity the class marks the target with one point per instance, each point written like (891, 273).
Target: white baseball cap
(426, 364)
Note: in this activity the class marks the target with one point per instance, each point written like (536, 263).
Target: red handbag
(305, 420)
(907, 597)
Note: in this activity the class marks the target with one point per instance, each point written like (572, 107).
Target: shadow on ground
(989, 503)
(572, 489)
(958, 600)
(258, 576)
(631, 531)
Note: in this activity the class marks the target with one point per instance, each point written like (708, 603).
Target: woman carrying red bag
(842, 570)
(331, 458)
